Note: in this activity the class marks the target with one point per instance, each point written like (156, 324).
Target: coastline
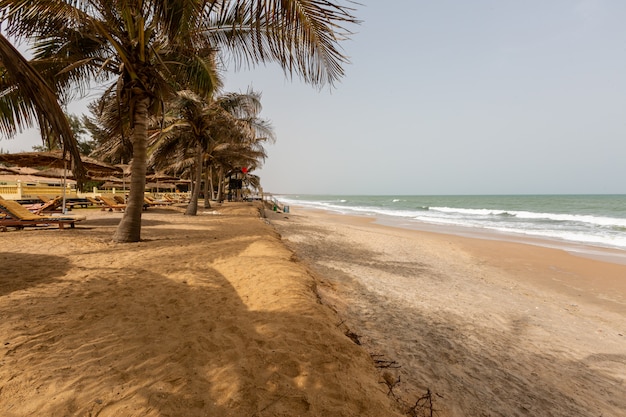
(494, 327)
(606, 254)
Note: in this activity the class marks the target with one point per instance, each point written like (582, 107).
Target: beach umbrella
(54, 159)
(157, 186)
(125, 173)
(158, 177)
(17, 170)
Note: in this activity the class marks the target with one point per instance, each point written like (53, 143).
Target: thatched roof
(32, 178)
(54, 159)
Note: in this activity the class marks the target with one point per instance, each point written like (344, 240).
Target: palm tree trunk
(208, 182)
(192, 207)
(213, 193)
(129, 229)
(220, 184)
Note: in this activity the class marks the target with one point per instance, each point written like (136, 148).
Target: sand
(207, 316)
(216, 315)
(480, 327)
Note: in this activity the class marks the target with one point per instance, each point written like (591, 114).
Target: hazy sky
(456, 97)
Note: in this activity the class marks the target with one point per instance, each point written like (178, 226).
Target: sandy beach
(207, 316)
(487, 327)
(220, 315)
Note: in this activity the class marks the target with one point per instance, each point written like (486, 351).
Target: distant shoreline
(601, 253)
(605, 254)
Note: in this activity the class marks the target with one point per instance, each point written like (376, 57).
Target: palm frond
(37, 95)
(301, 35)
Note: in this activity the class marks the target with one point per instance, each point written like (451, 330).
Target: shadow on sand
(157, 335)
(29, 270)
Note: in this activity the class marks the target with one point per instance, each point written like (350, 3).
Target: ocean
(590, 220)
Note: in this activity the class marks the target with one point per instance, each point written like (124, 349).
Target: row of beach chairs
(117, 202)
(49, 210)
(13, 214)
(110, 203)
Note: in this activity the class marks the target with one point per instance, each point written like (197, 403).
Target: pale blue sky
(456, 97)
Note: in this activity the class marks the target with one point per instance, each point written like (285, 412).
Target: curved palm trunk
(192, 208)
(129, 229)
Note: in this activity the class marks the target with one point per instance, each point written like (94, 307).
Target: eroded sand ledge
(494, 328)
(207, 316)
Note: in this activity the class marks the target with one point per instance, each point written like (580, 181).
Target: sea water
(596, 220)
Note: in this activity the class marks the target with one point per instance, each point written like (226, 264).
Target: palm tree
(149, 47)
(245, 152)
(203, 127)
(189, 132)
(144, 47)
(245, 148)
(248, 154)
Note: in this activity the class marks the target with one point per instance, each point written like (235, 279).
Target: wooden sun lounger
(169, 199)
(119, 199)
(14, 214)
(94, 201)
(110, 204)
(152, 202)
(50, 205)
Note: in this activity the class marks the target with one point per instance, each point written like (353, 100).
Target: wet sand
(488, 327)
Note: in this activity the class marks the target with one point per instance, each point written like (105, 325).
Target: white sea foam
(557, 217)
(564, 224)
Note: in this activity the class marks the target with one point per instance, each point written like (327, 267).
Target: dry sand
(491, 328)
(207, 316)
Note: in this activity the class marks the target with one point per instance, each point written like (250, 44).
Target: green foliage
(144, 51)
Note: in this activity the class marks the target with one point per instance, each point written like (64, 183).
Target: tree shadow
(164, 337)
(477, 369)
(114, 221)
(29, 270)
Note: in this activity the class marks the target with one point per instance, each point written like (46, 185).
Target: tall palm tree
(144, 47)
(246, 148)
(233, 159)
(244, 151)
(202, 127)
(189, 133)
(149, 47)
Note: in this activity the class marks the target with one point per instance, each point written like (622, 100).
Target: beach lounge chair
(77, 202)
(50, 205)
(110, 204)
(121, 200)
(13, 214)
(150, 201)
(172, 199)
(95, 201)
